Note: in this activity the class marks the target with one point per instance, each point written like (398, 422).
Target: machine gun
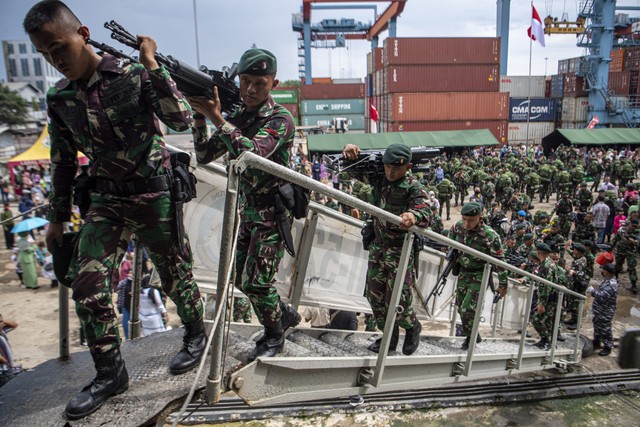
(190, 82)
(451, 267)
(370, 161)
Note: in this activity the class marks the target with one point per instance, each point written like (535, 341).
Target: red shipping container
(447, 106)
(574, 86)
(631, 59)
(441, 50)
(377, 59)
(619, 83)
(331, 91)
(293, 109)
(497, 127)
(441, 78)
(617, 60)
(547, 87)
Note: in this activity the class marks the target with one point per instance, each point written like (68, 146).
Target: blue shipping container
(538, 109)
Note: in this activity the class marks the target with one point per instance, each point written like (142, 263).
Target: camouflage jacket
(112, 120)
(591, 259)
(547, 269)
(555, 241)
(585, 231)
(564, 207)
(484, 239)
(585, 198)
(272, 139)
(625, 241)
(581, 270)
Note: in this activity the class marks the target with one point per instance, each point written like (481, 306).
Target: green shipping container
(332, 106)
(355, 121)
(285, 96)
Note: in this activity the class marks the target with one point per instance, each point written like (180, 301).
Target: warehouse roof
(371, 141)
(591, 137)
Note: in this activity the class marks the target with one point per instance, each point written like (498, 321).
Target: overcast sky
(227, 28)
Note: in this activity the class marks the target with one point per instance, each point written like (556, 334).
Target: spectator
(8, 370)
(26, 204)
(343, 320)
(18, 267)
(4, 188)
(124, 302)
(153, 313)
(27, 260)
(7, 214)
(600, 214)
(317, 317)
(126, 267)
(619, 220)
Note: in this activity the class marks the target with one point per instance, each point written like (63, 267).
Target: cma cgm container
(497, 127)
(534, 110)
(441, 78)
(354, 121)
(331, 91)
(619, 83)
(557, 85)
(441, 50)
(518, 133)
(405, 107)
(332, 106)
(523, 86)
(575, 110)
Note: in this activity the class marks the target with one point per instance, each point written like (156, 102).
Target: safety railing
(250, 160)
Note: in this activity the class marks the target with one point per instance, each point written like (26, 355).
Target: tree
(13, 109)
(290, 83)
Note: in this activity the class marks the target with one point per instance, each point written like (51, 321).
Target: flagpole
(529, 80)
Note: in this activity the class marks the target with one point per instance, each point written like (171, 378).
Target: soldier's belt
(471, 270)
(259, 199)
(129, 188)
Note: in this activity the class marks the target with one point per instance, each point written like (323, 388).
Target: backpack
(504, 181)
(577, 174)
(545, 172)
(564, 177)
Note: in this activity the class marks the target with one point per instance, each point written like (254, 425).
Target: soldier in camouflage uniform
(472, 232)
(604, 308)
(564, 208)
(554, 239)
(436, 220)
(107, 109)
(241, 310)
(578, 282)
(546, 304)
(584, 228)
(265, 128)
(399, 193)
(488, 191)
(584, 197)
(445, 191)
(625, 247)
(594, 170)
(460, 180)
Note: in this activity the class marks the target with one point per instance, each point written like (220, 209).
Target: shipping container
(617, 61)
(441, 50)
(619, 82)
(321, 80)
(441, 78)
(404, 107)
(557, 85)
(563, 66)
(354, 121)
(293, 109)
(533, 110)
(285, 96)
(547, 87)
(574, 86)
(332, 106)
(350, 81)
(378, 58)
(568, 125)
(523, 86)
(575, 109)
(329, 91)
(631, 59)
(570, 65)
(497, 127)
(520, 133)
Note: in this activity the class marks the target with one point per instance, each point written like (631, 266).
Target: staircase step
(316, 347)
(345, 344)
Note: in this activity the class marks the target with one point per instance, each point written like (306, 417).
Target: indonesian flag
(536, 30)
(373, 116)
(592, 124)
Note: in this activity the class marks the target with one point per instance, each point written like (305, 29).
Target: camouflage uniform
(604, 308)
(548, 298)
(488, 191)
(241, 310)
(460, 180)
(584, 231)
(113, 122)
(268, 133)
(578, 283)
(624, 244)
(403, 195)
(584, 198)
(483, 239)
(563, 209)
(555, 241)
(445, 191)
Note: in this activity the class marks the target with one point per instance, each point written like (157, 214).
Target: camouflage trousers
(632, 262)
(445, 201)
(460, 193)
(573, 303)
(596, 183)
(543, 323)
(564, 222)
(602, 319)
(545, 190)
(258, 256)
(241, 310)
(370, 323)
(102, 241)
(467, 291)
(381, 276)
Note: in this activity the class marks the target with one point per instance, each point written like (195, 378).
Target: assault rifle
(370, 161)
(190, 82)
(452, 266)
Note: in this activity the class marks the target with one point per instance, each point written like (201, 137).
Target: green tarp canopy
(622, 136)
(371, 141)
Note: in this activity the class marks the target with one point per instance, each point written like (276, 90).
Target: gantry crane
(332, 33)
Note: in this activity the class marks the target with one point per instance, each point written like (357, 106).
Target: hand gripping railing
(250, 160)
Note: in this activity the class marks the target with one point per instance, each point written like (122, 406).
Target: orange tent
(37, 155)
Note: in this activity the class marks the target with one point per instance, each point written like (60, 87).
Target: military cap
(528, 237)
(533, 254)
(397, 155)
(62, 257)
(583, 184)
(471, 209)
(609, 267)
(588, 243)
(258, 62)
(579, 247)
(543, 215)
(634, 222)
(543, 247)
(522, 213)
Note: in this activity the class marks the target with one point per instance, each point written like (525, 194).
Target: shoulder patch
(275, 124)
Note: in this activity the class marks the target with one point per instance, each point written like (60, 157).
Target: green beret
(528, 236)
(579, 247)
(258, 62)
(543, 215)
(533, 254)
(543, 247)
(588, 243)
(397, 155)
(583, 184)
(471, 209)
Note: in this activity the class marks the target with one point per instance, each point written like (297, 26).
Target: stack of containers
(532, 115)
(288, 97)
(430, 84)
(321, 103)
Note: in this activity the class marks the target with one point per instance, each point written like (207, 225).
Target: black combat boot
(605, 351)
(633, 289)
(465, 344)
(111, 379)
(412, 339)
(270, 344)
(597, 344)
(393, 344)
(194, 342)
(546, 346)
(290, 317)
